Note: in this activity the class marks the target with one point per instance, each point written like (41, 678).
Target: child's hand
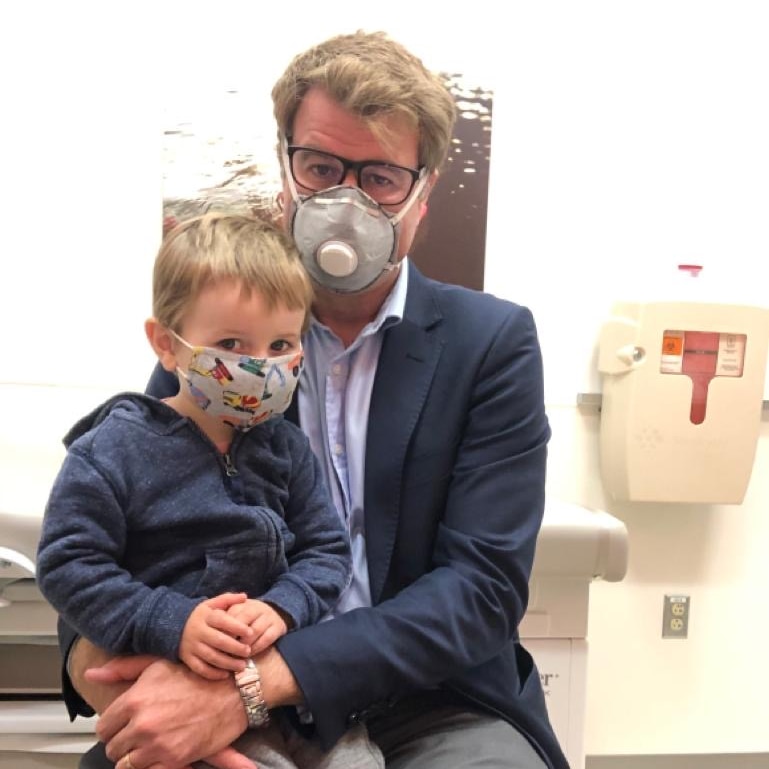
(266, 622)
(210, 644)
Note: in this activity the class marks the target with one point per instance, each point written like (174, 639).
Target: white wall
(627, 137)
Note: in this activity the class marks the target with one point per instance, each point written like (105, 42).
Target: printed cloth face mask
(345, 238)
(240, 390)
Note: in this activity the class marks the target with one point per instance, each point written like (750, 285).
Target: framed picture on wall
(220, 154)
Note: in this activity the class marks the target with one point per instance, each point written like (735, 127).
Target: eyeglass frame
(351, 165)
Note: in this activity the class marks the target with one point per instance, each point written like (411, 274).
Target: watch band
(250, 687)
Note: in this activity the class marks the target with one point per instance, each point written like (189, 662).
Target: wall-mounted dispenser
(683, 387)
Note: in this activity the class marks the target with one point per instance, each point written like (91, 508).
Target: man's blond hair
(218, 246)
(372, 77)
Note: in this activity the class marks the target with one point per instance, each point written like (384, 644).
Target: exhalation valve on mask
(337, 259)
(345, 238)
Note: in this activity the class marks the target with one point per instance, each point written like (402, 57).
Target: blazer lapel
(407, 364)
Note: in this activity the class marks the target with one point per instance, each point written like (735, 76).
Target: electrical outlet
(675, 616)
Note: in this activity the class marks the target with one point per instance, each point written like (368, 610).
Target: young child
(198, 528)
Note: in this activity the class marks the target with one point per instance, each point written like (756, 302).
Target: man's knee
(424, 733)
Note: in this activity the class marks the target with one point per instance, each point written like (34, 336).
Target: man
(424, 403)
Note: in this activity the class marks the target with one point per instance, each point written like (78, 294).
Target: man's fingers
(121, 765)
(229, 758)
(226, 758)
(119, 669)
(171, 717)
(136, 757)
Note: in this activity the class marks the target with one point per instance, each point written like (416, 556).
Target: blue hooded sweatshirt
(147, 518)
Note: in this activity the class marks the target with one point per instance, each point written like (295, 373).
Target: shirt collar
(392, 309)
(394, 305)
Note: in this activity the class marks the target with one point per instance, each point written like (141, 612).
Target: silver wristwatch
(250, 687)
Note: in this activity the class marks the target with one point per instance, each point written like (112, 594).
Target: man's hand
(171, 717)
(120, 670)
(100, 690)
(123, 671)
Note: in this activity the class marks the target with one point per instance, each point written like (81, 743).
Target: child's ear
(162, 342)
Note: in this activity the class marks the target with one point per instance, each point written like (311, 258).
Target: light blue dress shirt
(334, 396)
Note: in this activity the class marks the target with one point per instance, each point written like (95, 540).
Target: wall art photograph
(219, 153)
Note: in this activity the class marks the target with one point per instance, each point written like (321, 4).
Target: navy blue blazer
(454, 498)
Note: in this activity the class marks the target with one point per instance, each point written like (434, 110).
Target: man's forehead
(323, 123)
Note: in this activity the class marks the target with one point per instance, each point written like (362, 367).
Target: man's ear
(162, 342)
(425, 194)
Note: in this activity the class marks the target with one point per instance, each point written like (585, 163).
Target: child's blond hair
(220, 245)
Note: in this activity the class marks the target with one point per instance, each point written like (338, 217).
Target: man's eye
(378, 180)
(323, 171)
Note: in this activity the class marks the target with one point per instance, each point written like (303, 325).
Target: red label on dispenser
(702, 355)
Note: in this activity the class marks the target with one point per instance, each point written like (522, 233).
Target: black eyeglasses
(387, 184)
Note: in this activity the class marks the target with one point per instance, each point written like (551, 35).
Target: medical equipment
(682, 398)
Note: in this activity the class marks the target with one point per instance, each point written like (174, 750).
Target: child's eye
(228, 344)
(280, 345)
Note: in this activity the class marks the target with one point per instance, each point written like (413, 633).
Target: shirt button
(336, 369)
(338, 449)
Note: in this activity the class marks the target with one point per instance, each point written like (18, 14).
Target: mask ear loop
(415, 193)
(179, 339)
(287, 170)
(395, 220)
